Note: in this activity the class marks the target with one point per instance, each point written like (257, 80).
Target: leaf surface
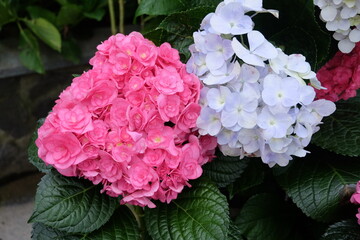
(201, 212)
(71, 205)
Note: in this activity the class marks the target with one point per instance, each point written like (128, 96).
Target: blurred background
(42, 45)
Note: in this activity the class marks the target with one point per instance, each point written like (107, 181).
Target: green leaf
(178, 28)
(297, 40)
(71, 50)
(69, 14)
(165, 7)
(5, 14)
(156, 35)
(71, 205)
(265, 216)
(98, 14)
(121, 226)
(185, 23)
(159, 7)
(62, 2)
(39, 12)
(198, 213)
(319, 183)
(46, 31)
(224, 170)
(159, 36)
(29, 51)
(253, 175)
(33, 152)
(234, 233)
(344, 230)
(42, 232)
(340, 132)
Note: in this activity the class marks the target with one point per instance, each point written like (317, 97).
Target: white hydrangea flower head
(341, 17)
(256, 99)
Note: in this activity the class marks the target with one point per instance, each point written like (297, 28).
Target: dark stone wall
(23, 100)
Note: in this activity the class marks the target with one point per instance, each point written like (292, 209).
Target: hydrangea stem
(112, 17)
(121, 16)
(138, 213)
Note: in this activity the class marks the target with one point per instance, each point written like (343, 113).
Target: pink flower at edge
(191, 155)
(187, 118)
(62, 150)
(355, 199)
(168, 56)
(358, 216)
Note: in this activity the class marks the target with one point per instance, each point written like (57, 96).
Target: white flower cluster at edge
(342, 17)
(254, 99)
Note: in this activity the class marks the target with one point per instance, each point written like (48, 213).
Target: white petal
(277, 64)
(347, 13)
(332, 26)
(255, 39)
(252, 5)
(238, 48)
(274, 12)
(328, 13)
(247, 120)
(214, 60)
(297, 63)
(301, 131)
(316, 83)
(244, 25)
(339, 36)
(249, 74)
(346, 45)
(219, 24)
(215, 100)
(233, 152)
(344, 24)
(282, 160)
(253, 60)
(260, 46)
(266, 50)
(245, 55)
(354, 35)
(323, 107)
(307, 95)
(228, 119)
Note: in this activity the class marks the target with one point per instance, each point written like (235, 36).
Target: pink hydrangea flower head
(129, 123)
(355, 199)
(340, 76)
